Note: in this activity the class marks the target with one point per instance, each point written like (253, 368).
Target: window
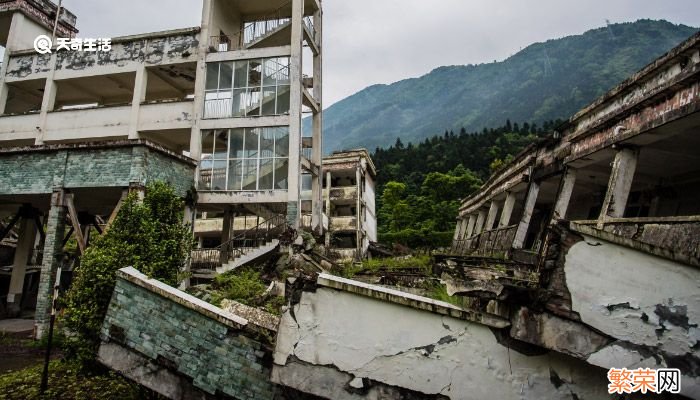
(249, 88)
(245, 159)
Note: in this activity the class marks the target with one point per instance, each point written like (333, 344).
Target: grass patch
(393, 264)
(243, 285)
(66, 382)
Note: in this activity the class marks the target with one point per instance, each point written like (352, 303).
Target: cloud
(383, 41)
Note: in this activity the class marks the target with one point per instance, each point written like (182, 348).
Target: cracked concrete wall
(341, 345)
(649, 304)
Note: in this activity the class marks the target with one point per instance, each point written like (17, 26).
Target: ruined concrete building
(589, 241)
(579, 256)
(349, 217)
(215, 109)
(349, 202)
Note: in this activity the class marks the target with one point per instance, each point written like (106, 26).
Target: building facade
(215, 110)
(349, 195)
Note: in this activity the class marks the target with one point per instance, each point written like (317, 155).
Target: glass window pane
(251, 142)
(212, 76)
(306, 181)
(253, 102)
(281, 141)
(266, 174)
(282, 100)
(218, 181)
(221, 145)
(236, 144)
(207, 144)
(283, 71)
(268, 101)
(225, 75)
(240, 78)
(267, 142)
(250, 174)
(238, 103)
(235, 171)
(254, 73)
(281, 171)
(205, 174)
(270, 71)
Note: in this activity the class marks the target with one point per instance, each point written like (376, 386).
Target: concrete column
(491, 217)
(470, 226)
(524, 224)
(228, 225)
(328, 207)
(564, 198)
(317, 128)
(199, 84)
(53, 256)
(25, 244)
(140, 84)
(619, 185)
(11, 45)
(358, 209)
(295, 76)
(480, 221)
(459, 229)
(48, 102)
(507, 210)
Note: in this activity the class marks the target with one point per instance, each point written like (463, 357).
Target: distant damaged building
(589, 241)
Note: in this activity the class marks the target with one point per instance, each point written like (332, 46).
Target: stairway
(263, 32)
(246, 247)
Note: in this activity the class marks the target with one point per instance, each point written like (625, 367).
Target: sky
(383, 41)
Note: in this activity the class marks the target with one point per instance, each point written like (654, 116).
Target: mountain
(544, 81)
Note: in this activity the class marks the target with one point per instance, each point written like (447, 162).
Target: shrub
(148, 236)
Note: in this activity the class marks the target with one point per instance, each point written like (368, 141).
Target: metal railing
(309, 22)
(259, 235)
(252, 30)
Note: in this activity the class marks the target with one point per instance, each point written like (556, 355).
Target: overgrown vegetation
(421, 262)
(147, 235)
(244, 285)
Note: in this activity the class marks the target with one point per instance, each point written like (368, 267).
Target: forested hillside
(542, 82)
(420, 185)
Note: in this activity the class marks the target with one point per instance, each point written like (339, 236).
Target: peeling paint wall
(650, 305)
(340, 345)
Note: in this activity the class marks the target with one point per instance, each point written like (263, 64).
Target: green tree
(148, 235)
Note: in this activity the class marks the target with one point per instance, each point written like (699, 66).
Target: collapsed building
(215, 110)
(349, 217)
(578, 256)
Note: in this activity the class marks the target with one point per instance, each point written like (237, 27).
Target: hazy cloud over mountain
(383, 41)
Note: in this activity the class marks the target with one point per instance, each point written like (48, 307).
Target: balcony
(343, 224)
(342, 194)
